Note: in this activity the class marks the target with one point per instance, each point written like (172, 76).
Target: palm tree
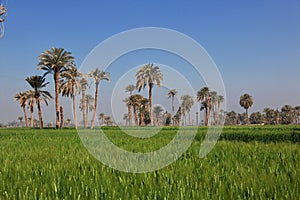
(31, 102)
(203, 96)
(148, 75)
(129, 104)
(246, 101)
(97, 76)
(172, 93)
(187, 102)
(130, 89)
(21, 97)
(136, 103)
(157, 111)
(125, 117)
(89, 101)
(69, 86)
(56, 61)
(214, 105)
(21, 120)
(101, 118)
(37, 83)
(83, 86)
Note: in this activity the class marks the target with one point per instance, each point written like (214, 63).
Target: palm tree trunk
(130, 115)
(74, 111)
(61, 117)
(56, 81)
(189, 118)
(247, 119)
(150, 104)
(95, 106)
(172, 105)
(84, 109)
(40, 113)
(31, 115)
(25, 116)
(135, 116)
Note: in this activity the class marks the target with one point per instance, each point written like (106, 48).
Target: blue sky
(255, 44)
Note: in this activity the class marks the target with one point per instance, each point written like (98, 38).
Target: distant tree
(287, 115)
(157, 110)
(203, 96)
(231, 118)
(21, 120)
(97, 75)
(129, 104)
(148, 75)
(167, 118)
(55, 60)
(22, 98)
(125, 117)
(101, 118)
(38, 83)
(246, 101)
(130, 89)
(187, 102)
(89, 104)
(256, 118)
(171, 94)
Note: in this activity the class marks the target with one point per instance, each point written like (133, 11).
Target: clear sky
(255, 44)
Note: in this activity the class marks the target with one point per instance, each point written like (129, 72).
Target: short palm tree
(21, 97)
(148, 75)
(97, 76)
(129, 104)
(136, 103)
(101, 118)
(203, 96)
(172, 94)
(246, 101)
(157, 110)
(69, 86)
(130, 89)
(56, 61)
(38, 83)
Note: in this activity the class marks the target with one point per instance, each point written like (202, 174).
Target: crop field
(260, 162)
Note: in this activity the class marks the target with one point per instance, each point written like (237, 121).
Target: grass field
(247, 163)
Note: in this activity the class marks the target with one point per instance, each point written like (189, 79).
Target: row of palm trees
(68, 81)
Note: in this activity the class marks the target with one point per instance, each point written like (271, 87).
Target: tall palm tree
(130, 88)
(89, 101)
(246, 101)
(69, 86)
(21, 97)
(83, 86)
(97, 76)
(187, 102)
(203, 96)
(214, 105)
(38, 83)
(172, 93)
(55, 60)
(148, 75)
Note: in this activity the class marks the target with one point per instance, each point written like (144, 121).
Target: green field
(247, 163)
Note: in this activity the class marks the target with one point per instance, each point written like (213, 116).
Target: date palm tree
(89, 101)
(136, 103)
(203, 96)
(171, 94)
(83, 86)
(21, 97)
(129, 104)
(246, 101)
(130, 88)
(101, 118)
(55, 61)
(148, 75)
(38, 83)
(187, 102)
(157, 110)
(97, 76)
(69, 87)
